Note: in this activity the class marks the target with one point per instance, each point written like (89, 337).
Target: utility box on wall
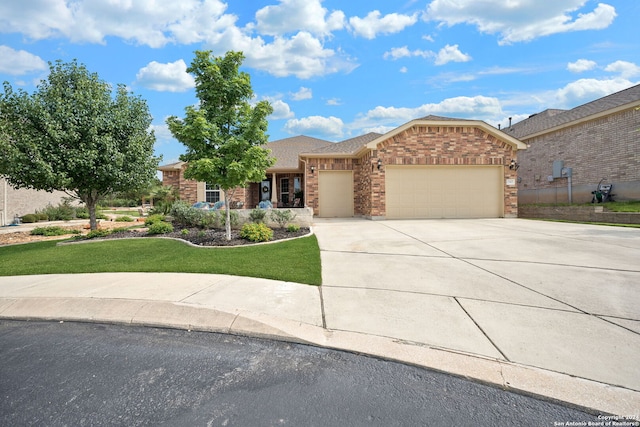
(557, 168)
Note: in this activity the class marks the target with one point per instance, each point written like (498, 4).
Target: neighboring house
(434, 167)
(597, 141)
(20, 202)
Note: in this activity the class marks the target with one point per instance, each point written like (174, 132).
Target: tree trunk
(227, 208)
(91, 202)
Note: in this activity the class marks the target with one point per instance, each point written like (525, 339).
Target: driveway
(563, 297)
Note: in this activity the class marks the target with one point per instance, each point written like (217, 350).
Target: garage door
(444, 191)
(335, 194)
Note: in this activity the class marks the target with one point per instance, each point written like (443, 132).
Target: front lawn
(295, 260)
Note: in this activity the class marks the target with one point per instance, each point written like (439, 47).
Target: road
(77, 374)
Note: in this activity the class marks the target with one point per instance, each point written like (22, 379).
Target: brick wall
(607, 147)
(311, 195)
(187, 189)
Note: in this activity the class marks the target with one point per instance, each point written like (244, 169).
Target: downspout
(5, 201)
(304, 197)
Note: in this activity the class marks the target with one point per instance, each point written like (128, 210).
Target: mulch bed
(207, 237)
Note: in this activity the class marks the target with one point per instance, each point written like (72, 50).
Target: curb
(583, 394)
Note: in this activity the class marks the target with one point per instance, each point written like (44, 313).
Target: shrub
(257, 215)
(29, 218)
(82, 213)
(98, 233)
(124, 219)
(63, 212)
(256, 232)
(42, 217)
(184, 232)
(160, 228)
(153, 219)
(233, 216)
(210, 219)
(49, 231)
(186, 215)
(282, 217)
(291, 228)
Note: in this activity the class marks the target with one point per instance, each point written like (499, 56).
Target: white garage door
(444, 191)
(335, 194)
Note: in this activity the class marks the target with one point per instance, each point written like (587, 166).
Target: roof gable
(449, 122)
(287, 151)
(550, 120)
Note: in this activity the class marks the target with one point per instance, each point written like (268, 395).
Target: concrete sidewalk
(482, 299)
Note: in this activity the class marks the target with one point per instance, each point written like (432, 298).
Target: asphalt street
(55, 374)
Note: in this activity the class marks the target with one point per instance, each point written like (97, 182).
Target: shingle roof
(348, 146)
(286, 150)
(549, 119)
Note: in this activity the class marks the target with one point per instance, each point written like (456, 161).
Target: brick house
(596, 141)
(434, 167)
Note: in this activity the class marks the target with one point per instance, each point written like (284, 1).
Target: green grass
(631, 206)
(120, 212)
(295, 260)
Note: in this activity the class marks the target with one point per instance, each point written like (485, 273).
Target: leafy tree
(72, 135)
(224, 134)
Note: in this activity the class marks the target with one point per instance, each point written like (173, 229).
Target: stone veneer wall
(595, 213)
(443, 145)
(607, 147)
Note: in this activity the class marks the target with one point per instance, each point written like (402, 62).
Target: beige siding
(444, 191)
(335, 194)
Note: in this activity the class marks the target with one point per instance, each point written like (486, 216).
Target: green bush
(160, 228)
(42, 217)
(63, 212)
(153, 219)
(233, 216)
(124, 219)
(282, 217)
(210, 219)
(184, 232)
(29, 218)
(49, 231)
(293, 228)
(257, 215)
(98, 233)
(256, 232)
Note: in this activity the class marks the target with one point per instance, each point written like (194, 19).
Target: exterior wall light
(379, 164)
(514, 165)
(313, 169)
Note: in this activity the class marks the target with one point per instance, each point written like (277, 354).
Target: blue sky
(334, 69)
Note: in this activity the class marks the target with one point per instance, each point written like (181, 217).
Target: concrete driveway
(558, 296)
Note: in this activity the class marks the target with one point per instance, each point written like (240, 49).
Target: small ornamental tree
(71, 135)
(224, 134)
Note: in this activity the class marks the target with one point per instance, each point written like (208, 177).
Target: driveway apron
(558, 296)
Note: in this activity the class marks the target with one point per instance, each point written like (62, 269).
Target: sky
(336, 69)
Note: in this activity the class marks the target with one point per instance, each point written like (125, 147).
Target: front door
(265, 191)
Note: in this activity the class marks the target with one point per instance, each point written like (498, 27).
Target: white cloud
(586, 90)
(334, 101)
(162, 133)
(522, 20)
(171, 77)
(328, 127)
(373, 24)
(624, 68)
(403, 52)
(154, 23)
(18, 62)
(403, 70)
(477, 107)
(302, 55)
(281, 110)
(451, 54)
(303, 93)
(581, 65)
(295, 15)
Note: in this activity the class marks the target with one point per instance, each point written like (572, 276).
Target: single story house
(433, 167)
(572, 151)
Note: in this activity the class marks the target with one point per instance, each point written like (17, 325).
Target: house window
(296, 184)
(212, 193)
(284, 190)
